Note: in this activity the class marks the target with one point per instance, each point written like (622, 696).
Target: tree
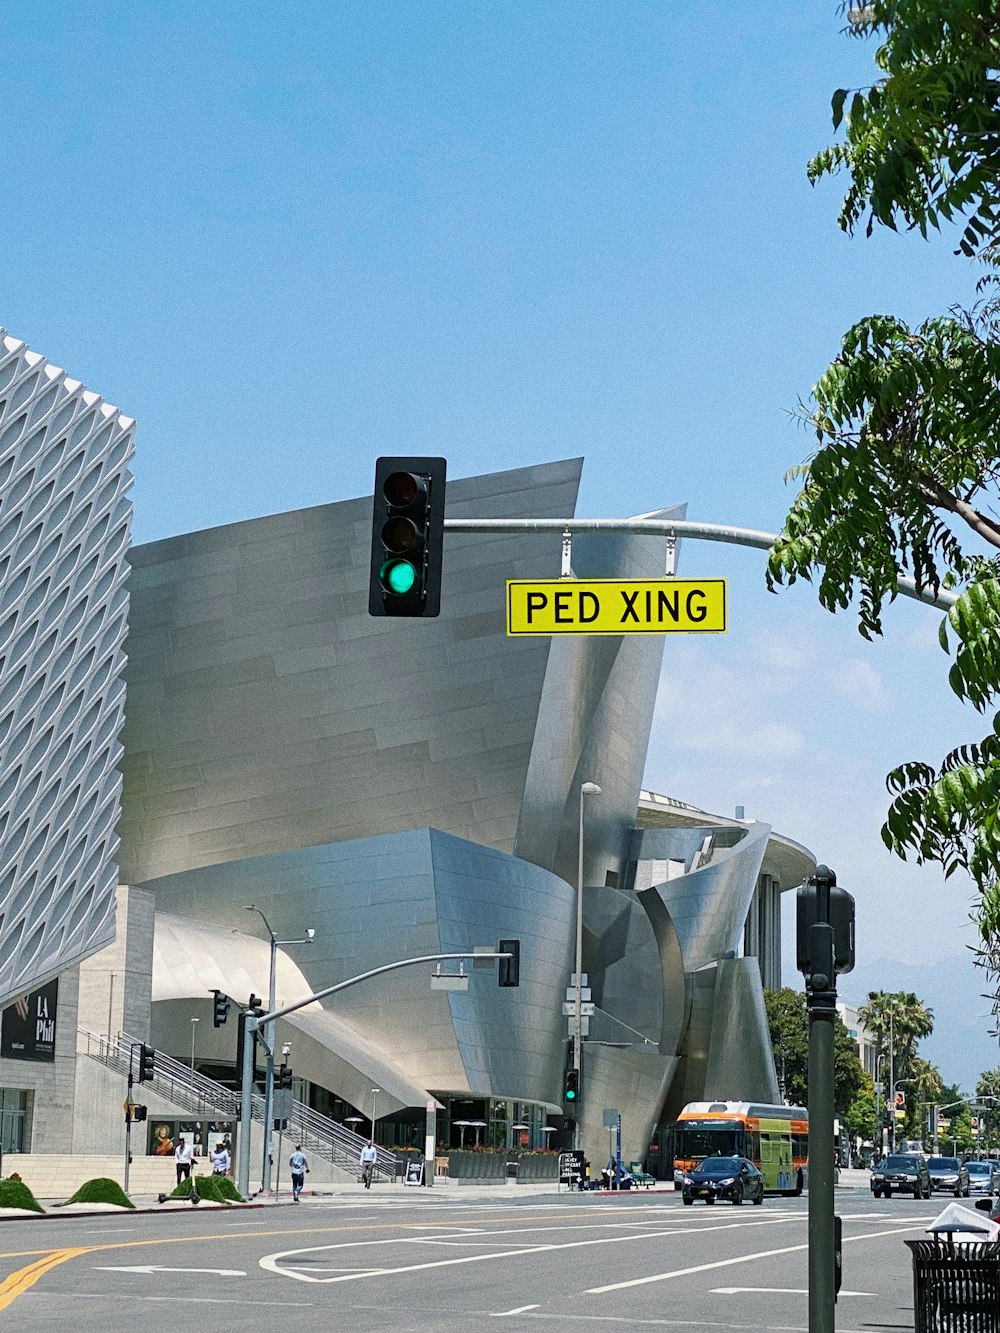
(904, 1018)
(788, 1023)
(906, 472)
(988, 1088)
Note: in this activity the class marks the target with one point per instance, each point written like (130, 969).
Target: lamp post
(194, 1029)
(586, 789)
(265, 1175)
(375, 1093)
(879, 1103)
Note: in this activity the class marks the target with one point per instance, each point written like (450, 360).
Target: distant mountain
(952, 989)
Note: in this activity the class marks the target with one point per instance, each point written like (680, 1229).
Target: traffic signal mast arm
(662, 527)
(256, 1021)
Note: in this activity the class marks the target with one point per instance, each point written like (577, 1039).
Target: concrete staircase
(202, 1098)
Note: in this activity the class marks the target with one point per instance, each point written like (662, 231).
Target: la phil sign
(28, 1027)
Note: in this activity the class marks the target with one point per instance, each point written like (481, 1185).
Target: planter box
(465, 1165)
(537, 1166)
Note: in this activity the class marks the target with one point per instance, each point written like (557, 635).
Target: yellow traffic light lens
(400, 534)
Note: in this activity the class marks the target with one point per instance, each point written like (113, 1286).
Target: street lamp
(194, 1029)
(269, 1039)
(375, 1093)
(586, 789)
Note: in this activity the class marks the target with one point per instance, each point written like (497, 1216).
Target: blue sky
(290, 237)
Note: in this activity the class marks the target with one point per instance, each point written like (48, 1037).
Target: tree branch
(944, 499)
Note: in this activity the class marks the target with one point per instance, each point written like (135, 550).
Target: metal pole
(892, 1086)
(658, 527)
(586, 789)
(128, 1119)
(194, 1029)
(375, 1093)
(265, 1173)
(821, 1224)
(246, 1105)
(578, 1001)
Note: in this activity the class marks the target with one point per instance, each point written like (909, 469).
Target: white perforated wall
(64, 535)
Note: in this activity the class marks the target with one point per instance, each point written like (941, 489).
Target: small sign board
(414, 1172)
(616, 606)
(610, 1117)
(587, 1008)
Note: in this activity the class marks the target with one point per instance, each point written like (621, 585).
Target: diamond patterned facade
(64, 533)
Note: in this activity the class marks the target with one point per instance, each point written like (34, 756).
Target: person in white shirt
(220, 1160)
(369, 1156)
(183, 1157)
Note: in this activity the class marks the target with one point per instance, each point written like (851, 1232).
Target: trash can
(956, 1287)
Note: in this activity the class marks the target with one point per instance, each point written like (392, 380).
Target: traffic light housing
(147, 1062)
(509, 971)
(407, 537)
(255, 1005)
(139, 1113)
(220, 1008)
(571, 1087)
(283, 1076)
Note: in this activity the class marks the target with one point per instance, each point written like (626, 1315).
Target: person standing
(299, 1164)
(183, 1157)
(369, 1156)
(220, 1160)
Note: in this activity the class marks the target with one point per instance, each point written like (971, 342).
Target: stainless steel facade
(409, 787)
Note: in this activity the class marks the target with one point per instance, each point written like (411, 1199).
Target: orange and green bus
(774, 1138)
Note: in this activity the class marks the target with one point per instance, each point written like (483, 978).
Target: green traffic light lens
(570, 1095)
(398, 576)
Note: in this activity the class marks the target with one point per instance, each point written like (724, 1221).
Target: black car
(902, 1173)
(949, 1175)
(732, 1178)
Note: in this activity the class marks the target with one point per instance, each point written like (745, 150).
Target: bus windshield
(694, 1140)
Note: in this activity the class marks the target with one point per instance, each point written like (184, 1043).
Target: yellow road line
(18, 1283)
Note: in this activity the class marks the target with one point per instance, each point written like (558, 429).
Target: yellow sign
(616, 606)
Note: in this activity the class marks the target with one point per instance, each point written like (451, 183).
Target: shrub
(101, 1190)
(15, 1194)
(214, 1189)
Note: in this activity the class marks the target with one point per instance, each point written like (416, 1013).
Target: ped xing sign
(616, 606)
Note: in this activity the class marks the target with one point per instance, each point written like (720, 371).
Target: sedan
(732, 1178)
(984, 1177)
(949, 1175)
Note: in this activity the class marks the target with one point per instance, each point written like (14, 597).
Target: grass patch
(101, 1190)
(214, 1189)
(15, 1194)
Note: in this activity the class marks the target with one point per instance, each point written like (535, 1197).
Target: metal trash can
(956, 1288)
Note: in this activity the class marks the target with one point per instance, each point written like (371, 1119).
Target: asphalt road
(433, 1260)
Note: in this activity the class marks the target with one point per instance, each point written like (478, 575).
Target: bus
(774, 1138)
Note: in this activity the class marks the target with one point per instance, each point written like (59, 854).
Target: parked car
(902, 1173)
(732, 1178)
(984, 1177)
(949, 1175)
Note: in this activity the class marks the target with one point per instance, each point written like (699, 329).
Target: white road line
(271, 1262)
(779, 1291)
(521, 1309)
(739, 1259)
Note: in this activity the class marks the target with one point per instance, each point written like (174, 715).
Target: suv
(902, 1173)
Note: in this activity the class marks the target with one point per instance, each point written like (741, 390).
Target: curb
(159, 1210)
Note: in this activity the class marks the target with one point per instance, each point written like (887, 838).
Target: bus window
(717, 1139)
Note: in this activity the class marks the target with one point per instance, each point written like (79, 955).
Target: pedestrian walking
(369, 1156)
(183, 1157)
(221, 1161)
(299, 1164)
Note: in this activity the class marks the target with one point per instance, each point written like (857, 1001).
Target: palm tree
(896, 1019)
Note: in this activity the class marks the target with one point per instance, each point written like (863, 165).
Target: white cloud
(860, 683)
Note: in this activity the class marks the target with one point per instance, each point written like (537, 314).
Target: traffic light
(571, 1086)
(139, 1113)
(407, 537)
(509, 971)
(220, 1008)
(147, 1062)
(255, 1005)
(284, 1077)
